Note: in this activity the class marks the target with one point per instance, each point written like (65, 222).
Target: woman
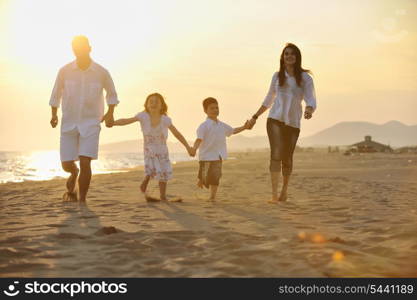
(289, 86)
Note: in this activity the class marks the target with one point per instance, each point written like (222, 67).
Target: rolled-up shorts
(210, 172)
(73, 145)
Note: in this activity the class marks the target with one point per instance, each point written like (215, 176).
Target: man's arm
(109, 116)
(54, 118)
(111, 99)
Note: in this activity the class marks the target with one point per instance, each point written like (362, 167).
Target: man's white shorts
(73, 145)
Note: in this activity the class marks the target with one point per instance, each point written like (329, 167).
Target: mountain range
(393, 133)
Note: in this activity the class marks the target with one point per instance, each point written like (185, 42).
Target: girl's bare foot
(143, 187)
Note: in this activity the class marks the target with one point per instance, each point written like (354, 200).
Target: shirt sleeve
(201, 131)
(139, 116)
(269, 99)
(58, 89)
(167, 121)
(309, 92)
(228, 130)
(108, 85)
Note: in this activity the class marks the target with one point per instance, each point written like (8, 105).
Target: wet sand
(347, 216)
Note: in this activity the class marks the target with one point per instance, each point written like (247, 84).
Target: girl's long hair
(298, 70)
(164, 106)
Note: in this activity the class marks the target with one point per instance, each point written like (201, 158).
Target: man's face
(81, 48)
(212, 110)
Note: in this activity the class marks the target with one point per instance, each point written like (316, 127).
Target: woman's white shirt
(286, 100)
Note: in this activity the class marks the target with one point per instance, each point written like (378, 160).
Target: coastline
(346, 217)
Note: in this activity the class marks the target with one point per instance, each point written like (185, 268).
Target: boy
(211, 138)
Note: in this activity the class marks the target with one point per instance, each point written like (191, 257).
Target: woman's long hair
(164, 106)
(298, 70)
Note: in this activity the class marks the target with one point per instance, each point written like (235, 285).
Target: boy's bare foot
(70, 197)
(283, 197)
(152, 199)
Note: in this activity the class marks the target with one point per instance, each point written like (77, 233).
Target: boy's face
(212, 110)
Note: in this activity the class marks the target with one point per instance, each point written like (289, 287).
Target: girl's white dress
(157, 163)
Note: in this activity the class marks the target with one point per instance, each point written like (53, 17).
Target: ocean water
(45, 165)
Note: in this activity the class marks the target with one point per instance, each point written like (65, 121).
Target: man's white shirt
(80, 93)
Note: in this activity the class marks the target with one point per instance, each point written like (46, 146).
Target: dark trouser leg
(85, 176)
(290, 140)
(275, 136)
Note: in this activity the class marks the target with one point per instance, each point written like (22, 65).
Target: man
(80, 85)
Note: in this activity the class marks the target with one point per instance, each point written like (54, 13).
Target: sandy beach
(347, 216)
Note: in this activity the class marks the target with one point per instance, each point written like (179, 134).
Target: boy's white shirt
(213, 135)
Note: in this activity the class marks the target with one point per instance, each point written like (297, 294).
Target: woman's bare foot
(274, 199)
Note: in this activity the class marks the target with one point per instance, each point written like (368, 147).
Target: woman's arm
(121, 122)
(269, 99)
(309, 96)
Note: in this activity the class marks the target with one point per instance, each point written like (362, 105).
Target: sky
(363, 55)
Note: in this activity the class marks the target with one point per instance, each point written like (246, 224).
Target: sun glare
(41, 31)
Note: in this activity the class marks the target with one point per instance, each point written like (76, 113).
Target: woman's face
(154, 104)
(289, 56)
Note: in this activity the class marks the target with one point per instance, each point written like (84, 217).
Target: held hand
(191, 151)
(108, 119)
(251, 123)
(54, 121)
(247, 125)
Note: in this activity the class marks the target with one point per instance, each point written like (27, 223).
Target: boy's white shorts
(73, 145)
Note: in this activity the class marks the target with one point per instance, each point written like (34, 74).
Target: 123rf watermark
(61, 288)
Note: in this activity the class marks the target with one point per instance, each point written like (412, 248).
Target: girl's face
(154, 104)
(289, 56)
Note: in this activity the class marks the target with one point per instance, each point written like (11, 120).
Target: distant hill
(393, 133)
(234, 143)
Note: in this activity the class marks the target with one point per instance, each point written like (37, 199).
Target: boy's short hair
(208, 101)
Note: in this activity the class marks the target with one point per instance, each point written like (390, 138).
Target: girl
(289, 86)
(155, 123)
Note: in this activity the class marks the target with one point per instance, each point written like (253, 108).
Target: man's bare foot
(200, 184)
(72, 180)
